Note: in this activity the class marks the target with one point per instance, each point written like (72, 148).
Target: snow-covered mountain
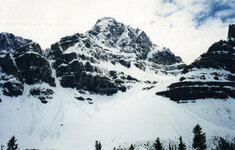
(102, 84)
(81, 61)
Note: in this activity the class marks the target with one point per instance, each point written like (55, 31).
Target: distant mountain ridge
(77, 59)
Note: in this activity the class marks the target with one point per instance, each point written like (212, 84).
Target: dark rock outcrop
(94, 84)
(80, 98)
(125, 63)
(9, 67)
(58, 48)
(73, 68)
(43, 94)
(74, 74)
(12, 89)
(64, 59)
(10, 42)
(165, 57)
(28, 48)
(199, 90)
(12, 80)
(34, 69)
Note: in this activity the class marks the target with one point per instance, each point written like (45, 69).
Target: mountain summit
(117, 35)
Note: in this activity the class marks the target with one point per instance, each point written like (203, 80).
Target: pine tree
(170, 147)
(158, 144)
(222, 144)
(131, 147)
(11, 145)
(182, 145)
(199, 139)
(225, 145)
(98, 145)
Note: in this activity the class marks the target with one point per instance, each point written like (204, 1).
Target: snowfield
(65, 123)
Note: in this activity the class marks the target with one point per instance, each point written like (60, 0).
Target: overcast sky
(187, 27)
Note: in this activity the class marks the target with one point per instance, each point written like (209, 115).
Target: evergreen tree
(199, 139)
(131, 147)
(222, 144)
(182, 145)
(158, 144)
(225, 145)
(170, 147)
(11, 145)
(98, 145)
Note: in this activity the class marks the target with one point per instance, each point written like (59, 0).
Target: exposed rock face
(9, 42)
(199, 90)
(22, 61)
(32, 65)
(12, 88)
(12, 80)
(95, 84)
(42, 94)
(165, 57)
(210, 76)
(9, 67)
(34, 69)
(58, 48)
(76, 75)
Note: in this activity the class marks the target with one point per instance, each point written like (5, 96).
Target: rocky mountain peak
(117, 35)
(107, 21)
(108, 26)
(231, 31)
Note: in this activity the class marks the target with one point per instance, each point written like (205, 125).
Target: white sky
(168, 24)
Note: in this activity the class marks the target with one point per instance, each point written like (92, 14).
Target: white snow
(124, 118)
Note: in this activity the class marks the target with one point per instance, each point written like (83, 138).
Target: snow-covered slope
(101, 85)
(137, 115)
